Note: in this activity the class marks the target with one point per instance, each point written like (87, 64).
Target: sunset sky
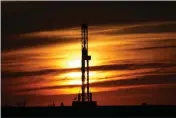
(132, 46)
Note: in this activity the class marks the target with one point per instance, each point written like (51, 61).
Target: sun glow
(74, 63)
(77, 74)
(73, 75)
(74, 78)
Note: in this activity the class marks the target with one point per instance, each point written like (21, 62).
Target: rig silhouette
(84, 106)
(84, 98)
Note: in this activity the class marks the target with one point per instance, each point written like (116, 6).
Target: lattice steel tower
(85, 61)
(85, 98)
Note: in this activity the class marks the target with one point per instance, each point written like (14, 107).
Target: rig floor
(87, 104)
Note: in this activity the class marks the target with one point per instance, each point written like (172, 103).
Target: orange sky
(124, 58)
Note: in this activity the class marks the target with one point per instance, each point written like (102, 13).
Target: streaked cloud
(123, 57)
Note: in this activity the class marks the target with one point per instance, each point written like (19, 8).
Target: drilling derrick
(84, 98)
(84, 61)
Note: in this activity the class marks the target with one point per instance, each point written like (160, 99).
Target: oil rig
(84, 98)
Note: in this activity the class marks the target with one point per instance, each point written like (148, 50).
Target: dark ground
(100, 111)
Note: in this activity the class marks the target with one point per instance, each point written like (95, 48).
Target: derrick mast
(85, 97)
(85, 62)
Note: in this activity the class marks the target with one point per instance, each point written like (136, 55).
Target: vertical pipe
(88, 79)
(83, 61)
(87, 64)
